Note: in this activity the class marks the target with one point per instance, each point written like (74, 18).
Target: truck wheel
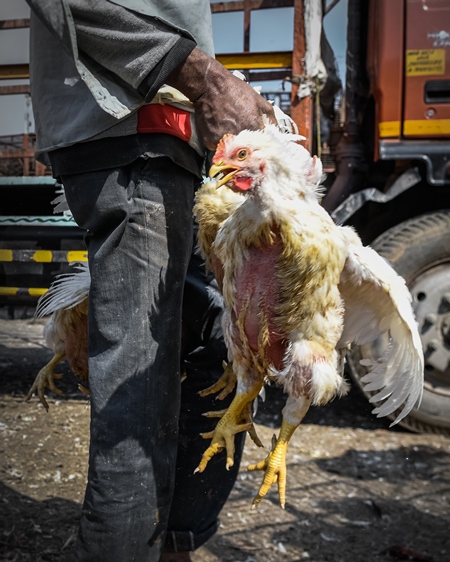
(419, 250)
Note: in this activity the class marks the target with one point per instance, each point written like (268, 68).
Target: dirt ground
(357, 492)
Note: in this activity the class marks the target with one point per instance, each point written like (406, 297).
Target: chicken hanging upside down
(298, 290)
(65, 333)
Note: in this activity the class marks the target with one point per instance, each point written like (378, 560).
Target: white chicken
(298, 290)
(65, 333)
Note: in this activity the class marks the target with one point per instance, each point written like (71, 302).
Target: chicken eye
(242, 154)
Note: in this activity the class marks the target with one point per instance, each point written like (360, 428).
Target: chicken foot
(274, 465)
(227, 382)
(233, 421)
(45, 378)
(246, 418)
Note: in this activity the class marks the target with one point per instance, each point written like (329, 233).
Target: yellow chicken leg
(274, 465)
(230, 424)
(45, 378)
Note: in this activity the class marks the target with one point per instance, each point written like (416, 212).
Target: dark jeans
(141, 492)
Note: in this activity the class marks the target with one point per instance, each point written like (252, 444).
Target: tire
(419, 250)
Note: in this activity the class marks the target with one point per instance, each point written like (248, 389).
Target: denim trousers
(148, 287)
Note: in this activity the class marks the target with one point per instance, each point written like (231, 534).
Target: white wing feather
(377, 301)
(60, 203)
(68, 290)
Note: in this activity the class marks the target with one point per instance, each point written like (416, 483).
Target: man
(130, 168)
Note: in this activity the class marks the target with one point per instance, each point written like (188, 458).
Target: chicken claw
(246, 418)
(227, 382)
(230, 424)
(215, 414)
(274, 465)
(223, 438)
(44, 379)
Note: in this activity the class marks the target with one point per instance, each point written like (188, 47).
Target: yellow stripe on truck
(414, 127)
(389, 129)
(427, 127)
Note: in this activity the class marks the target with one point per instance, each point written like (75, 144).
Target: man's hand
(223, 103)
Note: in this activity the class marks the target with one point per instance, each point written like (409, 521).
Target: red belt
(156, 118)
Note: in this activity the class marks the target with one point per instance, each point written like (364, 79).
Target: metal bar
(17, 153)
(221, 7)
(247, 18)
(14, 24)
(22, 291)
(48, 222)
(26, 161)
(328, 9)
(10, 90)
(269, 75)
(248, 61)
(433, 152)
(29, 182)
(42, 256)
(14, 71)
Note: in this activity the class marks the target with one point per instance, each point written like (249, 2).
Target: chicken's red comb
(221, 147)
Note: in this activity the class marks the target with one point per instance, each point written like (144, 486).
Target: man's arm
(223, 103)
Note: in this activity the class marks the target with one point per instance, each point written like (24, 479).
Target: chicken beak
(224, 171)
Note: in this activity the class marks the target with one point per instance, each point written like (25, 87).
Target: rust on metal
(221, 7)
(17, 153)
(14, 24)
(9, 90)
(301, 109)
(270, 75)
(17, 156)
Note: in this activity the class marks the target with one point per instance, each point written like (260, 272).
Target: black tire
(419, 250)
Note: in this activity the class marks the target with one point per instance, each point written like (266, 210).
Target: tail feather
(68, 290)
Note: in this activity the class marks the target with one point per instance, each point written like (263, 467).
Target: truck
(385, 145)
(36, 244)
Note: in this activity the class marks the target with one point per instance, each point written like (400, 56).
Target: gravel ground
(357, 492)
